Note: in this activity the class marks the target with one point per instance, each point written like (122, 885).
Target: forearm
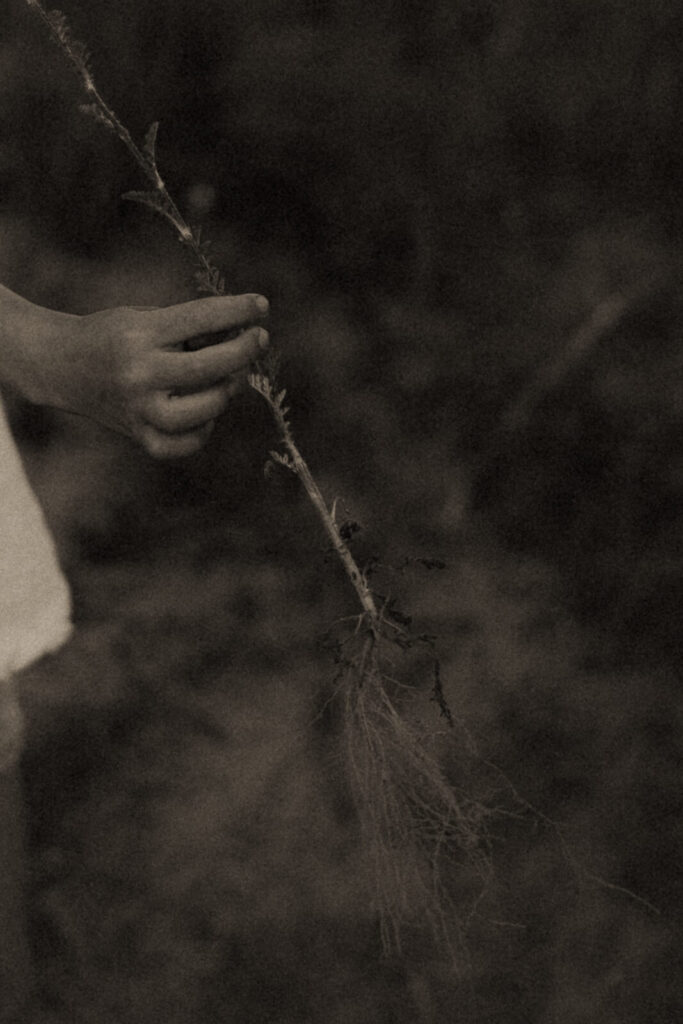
(29, 333)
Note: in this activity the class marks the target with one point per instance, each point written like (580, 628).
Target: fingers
(176, 324)
(174, 446)
(202, 340)
(159, 383)
(193, 371)
(236, 385)
(182, 413)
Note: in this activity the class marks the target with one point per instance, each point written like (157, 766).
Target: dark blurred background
(467, 216)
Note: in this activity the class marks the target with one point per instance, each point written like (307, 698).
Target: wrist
(32, 348)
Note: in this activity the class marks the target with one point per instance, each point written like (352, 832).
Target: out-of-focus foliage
(433, 195)
(436, 197)
(378, 139)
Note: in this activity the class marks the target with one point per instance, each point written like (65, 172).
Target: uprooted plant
(419, 824)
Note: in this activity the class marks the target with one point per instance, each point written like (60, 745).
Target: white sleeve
(35, 605)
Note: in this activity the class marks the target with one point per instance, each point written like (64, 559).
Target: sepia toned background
(467, 217)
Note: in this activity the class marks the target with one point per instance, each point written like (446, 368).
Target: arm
(128, 368)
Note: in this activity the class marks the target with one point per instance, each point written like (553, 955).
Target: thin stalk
(295, 462)
(210, 279)
(410, 815)
(348, 561)
(77, 58)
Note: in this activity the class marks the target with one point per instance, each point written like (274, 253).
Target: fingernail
(263, 339)
(262, 304)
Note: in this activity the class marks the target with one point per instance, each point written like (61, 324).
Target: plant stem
(298, 465)
(164, 204)
(146, 161)
(348, 561)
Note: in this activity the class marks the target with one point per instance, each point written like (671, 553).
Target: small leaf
(80, 53)
(153, 200)
(282, 460)
(92, 110)
(150, 144)
(139, 197)
(348, 529)
(59, 24)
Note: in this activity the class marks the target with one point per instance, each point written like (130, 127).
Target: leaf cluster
(77, 52)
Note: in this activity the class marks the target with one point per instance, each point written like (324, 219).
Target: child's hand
(152, 389)
(138, 371)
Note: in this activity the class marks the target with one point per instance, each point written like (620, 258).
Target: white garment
(35, 605)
